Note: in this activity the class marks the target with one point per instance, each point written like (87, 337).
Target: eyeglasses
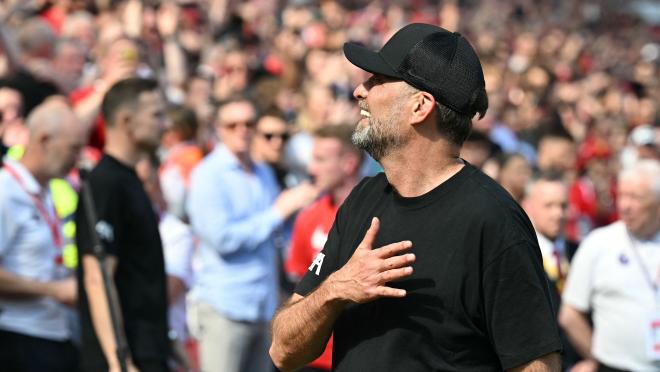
(248, 124)
(269, 136)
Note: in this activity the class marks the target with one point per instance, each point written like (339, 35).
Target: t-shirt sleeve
(324, 264)
(108, 224)
(518, 310)
(579, 284)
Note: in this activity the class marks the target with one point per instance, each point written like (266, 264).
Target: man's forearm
(12, 285)
(302, 328)
(547, 363)
(99, 308)
(577, 328)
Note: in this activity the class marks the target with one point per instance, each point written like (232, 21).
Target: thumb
(370, 235)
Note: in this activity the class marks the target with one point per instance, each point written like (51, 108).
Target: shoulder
(366, 188)
(106, 178)
(488, 200)
(316, 209)
(604, 238)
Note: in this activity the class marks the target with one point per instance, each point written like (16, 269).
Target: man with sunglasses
(236, 210)
(269, 142)
(431, 265)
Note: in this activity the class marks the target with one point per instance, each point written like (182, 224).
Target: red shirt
(310, 233)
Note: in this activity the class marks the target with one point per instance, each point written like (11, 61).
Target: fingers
(370, 235)
(395, 274)
(398, 261)
(389, 292)
(393, 248)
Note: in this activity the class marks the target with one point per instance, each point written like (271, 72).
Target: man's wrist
(332, 293)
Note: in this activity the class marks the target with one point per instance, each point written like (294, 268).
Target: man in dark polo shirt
(128, 228)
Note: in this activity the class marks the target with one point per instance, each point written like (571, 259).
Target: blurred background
(573, 86)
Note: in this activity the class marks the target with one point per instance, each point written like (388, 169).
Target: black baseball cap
(431, 59)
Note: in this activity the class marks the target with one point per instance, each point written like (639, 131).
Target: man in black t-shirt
(430, 266)
(128, 228)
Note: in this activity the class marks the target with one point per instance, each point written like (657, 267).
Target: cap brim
(368, 60)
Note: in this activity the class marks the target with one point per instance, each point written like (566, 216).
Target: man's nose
(360, 92)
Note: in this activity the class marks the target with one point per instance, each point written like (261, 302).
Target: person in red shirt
(335, 168)
(119, 60)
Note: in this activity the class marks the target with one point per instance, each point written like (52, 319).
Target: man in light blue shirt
(34, 331)
(236, 209)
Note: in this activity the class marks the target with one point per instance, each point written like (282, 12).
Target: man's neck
(244, 159)
(647, 233)
(418, 168)
(124, 154)
(33, 165)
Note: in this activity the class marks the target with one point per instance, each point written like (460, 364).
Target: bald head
(56, 138)
(51, 117)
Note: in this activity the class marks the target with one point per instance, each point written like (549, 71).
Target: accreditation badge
(653, 338)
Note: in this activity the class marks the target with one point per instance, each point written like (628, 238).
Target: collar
(28, 181)
(548, 246)
(227, 158)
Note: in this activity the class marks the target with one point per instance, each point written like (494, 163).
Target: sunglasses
(270, 135)
(233, 125)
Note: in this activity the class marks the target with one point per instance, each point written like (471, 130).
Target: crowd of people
(232, 120)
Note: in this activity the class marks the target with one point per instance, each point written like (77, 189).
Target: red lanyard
(51, 219)
(647, 275)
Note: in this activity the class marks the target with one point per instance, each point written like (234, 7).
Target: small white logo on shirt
(318, 262)
(105, 231)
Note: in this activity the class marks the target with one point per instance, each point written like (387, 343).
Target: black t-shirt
(3, 151)
(478, 299)
(128, 228)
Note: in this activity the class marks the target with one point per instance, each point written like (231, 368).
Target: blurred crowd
(573, 89)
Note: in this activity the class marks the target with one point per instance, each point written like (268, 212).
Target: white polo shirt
(607, 279)
(28, 249)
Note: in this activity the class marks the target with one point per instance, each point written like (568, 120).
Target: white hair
(646, 168)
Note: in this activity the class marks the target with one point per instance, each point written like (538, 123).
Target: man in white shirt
(615, 276)
(34, 332)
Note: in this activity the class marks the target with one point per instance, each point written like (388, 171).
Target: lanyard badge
(653, 328)
(50, 218)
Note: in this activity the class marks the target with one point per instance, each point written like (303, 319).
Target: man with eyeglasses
(236, 210)
(269, 142)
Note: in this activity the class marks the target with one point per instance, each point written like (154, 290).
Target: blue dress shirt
(231, 213)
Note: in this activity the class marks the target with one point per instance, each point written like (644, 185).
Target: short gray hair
(647, 168)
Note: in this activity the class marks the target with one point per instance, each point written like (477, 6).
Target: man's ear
(422, 106)
(43, 138)
(124, 120)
